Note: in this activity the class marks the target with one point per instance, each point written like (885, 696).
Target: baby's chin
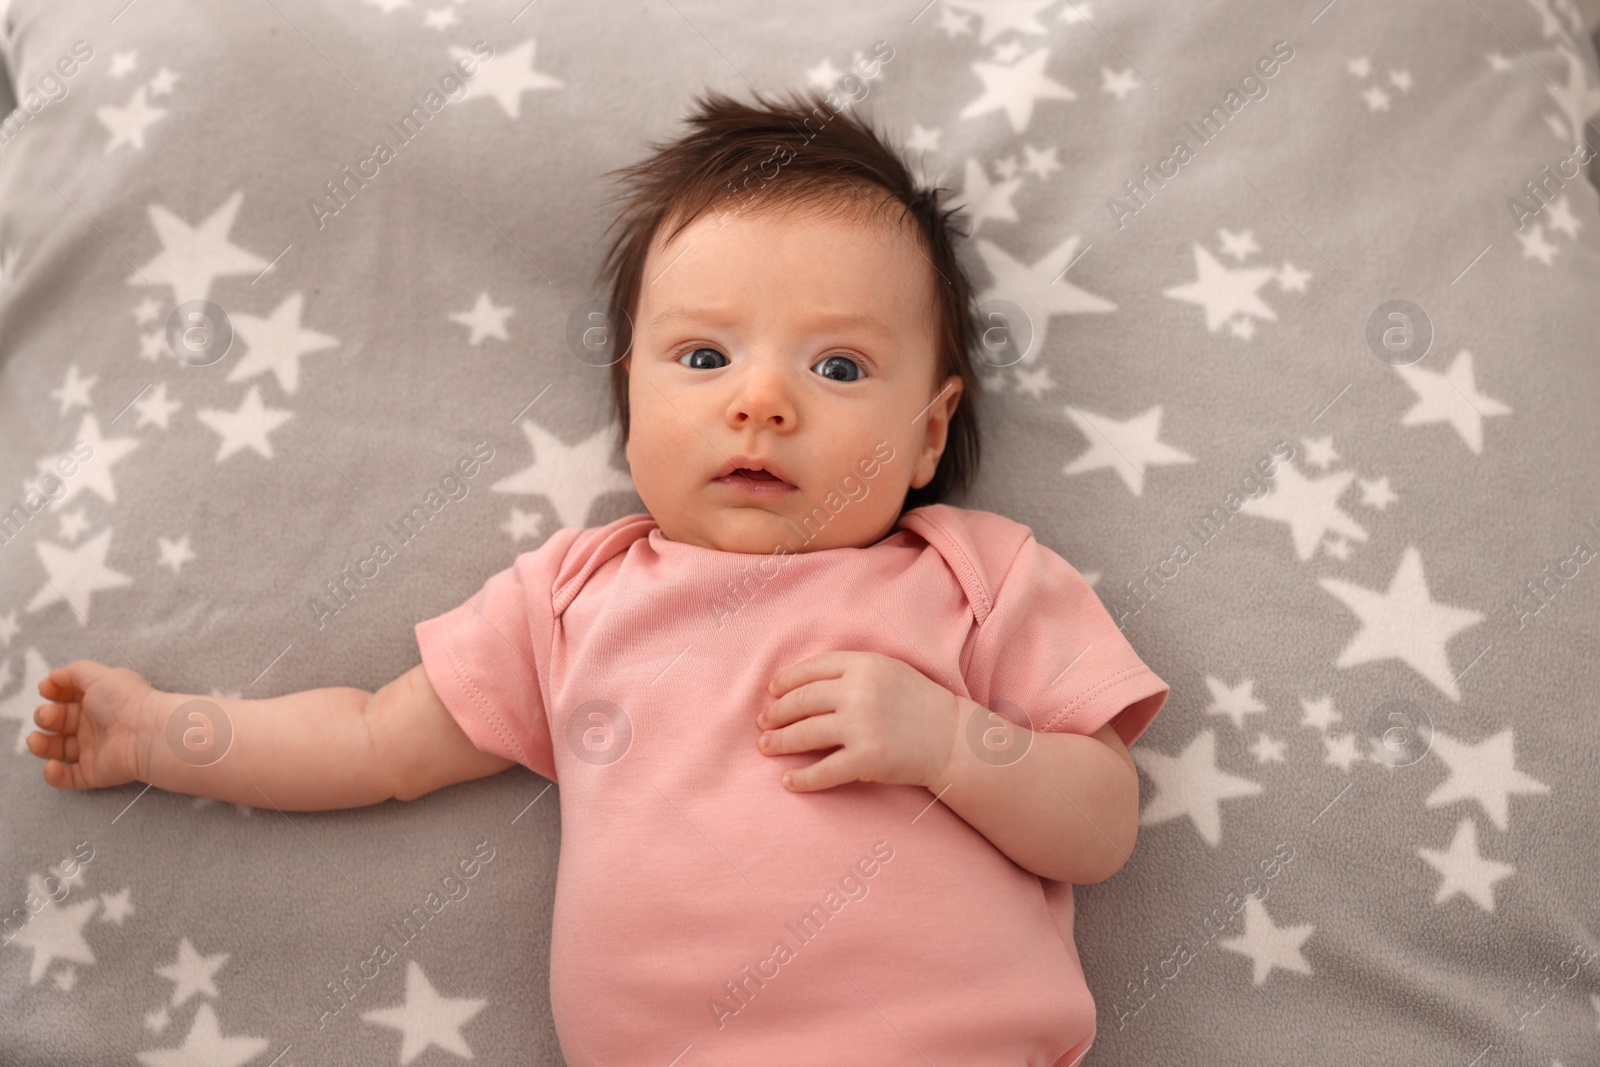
(750, 528)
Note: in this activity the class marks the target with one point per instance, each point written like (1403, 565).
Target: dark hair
(829, 158)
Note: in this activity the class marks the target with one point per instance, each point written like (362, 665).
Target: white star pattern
(1224, 292)
(1238, 245)
(246, 427)
(154, 408)
(426, 1018)
(1015, 89)
(56, 930)
(162, 83)
(93, 473)
(1534, 245)
(1233, 701)
(1118, 84)
(1451, 397)
(1319, 452)
(1040, 290)
(275, 344)
(147, 310)
(1375, 493)
(484, 319)
(76, 574)
(1291, 279)
(1268, 945)
(204, 1046)
(1485, 772)
(954, 23)
(1041, 162)
(1465, 871)
(1340, 750)
(1376, 98)
(8, 628)
(983, 199)
(191, 974)
(116, 907)
(123, 63)
(1319, 713)
(1127, 446)
(505, 78)
(1034, 381)
(523, 524)
(1562, 218)
(175, 554)
(1003, 16)
(128, 123)
(1360, 66)
(192, 258)
(823, 75)
(74, 391)
(571, 477)
(1309, 506)
(1191, 784)
(1403, 622)
(1267, 749)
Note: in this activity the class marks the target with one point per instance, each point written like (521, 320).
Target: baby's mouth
(759, 483)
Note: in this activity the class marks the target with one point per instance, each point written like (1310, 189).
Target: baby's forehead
(874, 214)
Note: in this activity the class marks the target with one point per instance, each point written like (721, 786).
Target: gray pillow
(1311, 399)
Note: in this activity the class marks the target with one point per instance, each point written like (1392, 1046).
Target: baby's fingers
(59, 718)
(67, 683)
(53, 746)
(64, 775)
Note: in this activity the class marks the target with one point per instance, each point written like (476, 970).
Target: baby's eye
(698, 364)
(840, 369)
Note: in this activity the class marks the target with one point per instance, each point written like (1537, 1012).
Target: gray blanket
(1309, 392)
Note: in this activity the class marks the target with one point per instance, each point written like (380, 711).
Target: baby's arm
(337, 747)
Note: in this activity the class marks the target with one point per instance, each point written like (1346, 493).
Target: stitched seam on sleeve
(970, 576)
(489, 716)
(1069, 712)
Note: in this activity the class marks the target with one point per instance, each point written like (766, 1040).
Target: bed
(1311, 399)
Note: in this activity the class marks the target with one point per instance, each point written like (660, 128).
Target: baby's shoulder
(979, 546)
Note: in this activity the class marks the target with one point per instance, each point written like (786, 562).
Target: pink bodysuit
(703, 913)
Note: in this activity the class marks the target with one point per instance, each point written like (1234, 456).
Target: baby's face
(798, 341)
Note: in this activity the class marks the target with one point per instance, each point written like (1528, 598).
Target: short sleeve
(1050, 648)
(489, 658)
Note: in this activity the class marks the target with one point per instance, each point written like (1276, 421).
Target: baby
(831, 753)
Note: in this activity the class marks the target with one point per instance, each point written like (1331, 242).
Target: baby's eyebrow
(725, 316)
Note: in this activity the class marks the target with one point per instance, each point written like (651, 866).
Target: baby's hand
(96, 723)
(896, 725)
